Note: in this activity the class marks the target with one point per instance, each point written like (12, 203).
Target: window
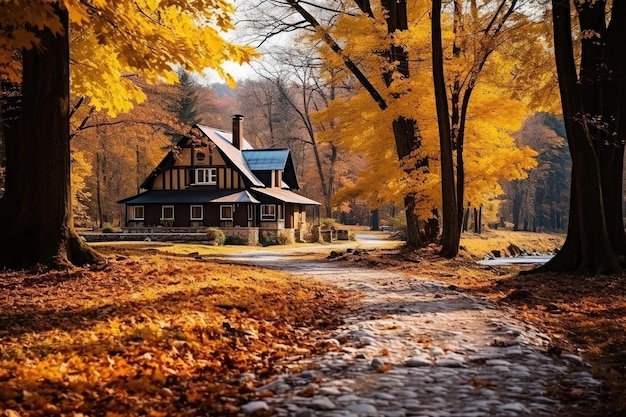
(197, 213)
(268, 212)
(250, 212)
(138, 213)
(226, 212)
(167, 213)
(200, 156)
(206, 176)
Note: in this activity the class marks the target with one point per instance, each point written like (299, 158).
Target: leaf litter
(154, 335)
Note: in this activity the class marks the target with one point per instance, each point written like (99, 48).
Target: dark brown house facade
(214, 178)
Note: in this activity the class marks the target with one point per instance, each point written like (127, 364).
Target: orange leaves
(172, 342)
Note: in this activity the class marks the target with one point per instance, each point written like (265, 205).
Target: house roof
(188, 196)
(240, 197)
(266, 195)
(224, 142)
(266, 159)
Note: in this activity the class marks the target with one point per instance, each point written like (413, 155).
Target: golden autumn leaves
(111, 39)
(154, 335)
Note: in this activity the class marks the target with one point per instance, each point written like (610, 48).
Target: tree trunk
(36, 215)
(451, 226)
(405, 130)
(587, 247)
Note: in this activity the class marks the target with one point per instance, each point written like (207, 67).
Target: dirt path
(415, 347)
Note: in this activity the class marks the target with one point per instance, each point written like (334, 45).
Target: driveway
(415, 347)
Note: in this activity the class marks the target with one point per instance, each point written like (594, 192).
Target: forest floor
(167, 334)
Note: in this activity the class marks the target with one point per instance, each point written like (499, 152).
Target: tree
(35, 212)
(185, 104)
(541, 201)
(36, 208)
(592, 96)
(477, 31)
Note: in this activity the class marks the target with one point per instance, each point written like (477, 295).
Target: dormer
(273, 167)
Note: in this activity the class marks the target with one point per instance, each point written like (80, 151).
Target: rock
(254, 407)
(363, 408)
(377, 363)
(334, 254)
(573, 358)
(329, 391)
(417, 362)
(449, 363)
(516, 407)
(304, 412)
(322, 403)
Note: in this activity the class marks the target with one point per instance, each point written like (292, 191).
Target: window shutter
(192, 176)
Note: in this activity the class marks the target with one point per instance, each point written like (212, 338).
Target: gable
(263, 161)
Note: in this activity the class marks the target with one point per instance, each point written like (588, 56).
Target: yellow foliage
(112, 39)
(490, 153)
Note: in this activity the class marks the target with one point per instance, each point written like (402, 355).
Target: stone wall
(277, 236)
(244, 235)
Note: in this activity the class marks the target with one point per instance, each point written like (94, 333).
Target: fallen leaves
(154, 335)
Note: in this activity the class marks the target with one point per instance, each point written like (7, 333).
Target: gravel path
(417, 348)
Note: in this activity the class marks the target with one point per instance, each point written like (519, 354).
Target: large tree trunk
(36, 216)
(587, 247)
(405, 130)
(451, 226)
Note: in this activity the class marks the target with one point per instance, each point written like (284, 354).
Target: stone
(377, 363)
(254, 407)
(329, 391)
(322, 403)
(449, 363)
(363, 408)
(515, 406)
(417, 362)
(573, 358)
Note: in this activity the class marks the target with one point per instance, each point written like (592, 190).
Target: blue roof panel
(266, 159)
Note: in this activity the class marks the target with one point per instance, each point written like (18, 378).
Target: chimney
(238, 131)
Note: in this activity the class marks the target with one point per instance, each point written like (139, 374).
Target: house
(214, 178)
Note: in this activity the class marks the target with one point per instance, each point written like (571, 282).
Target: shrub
(216, 236)
(284, 238)
(328, 224)
(233, 240)
(107, 228)
(398, 223)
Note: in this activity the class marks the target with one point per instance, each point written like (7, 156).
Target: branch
(337, 49)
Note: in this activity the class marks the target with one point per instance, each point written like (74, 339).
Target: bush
(216, 236)
(328, 224)
(107, 228)
(398, 223)
(233, 240)
(284, 238)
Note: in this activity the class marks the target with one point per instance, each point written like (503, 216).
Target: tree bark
(36, 214)
(587, 247)
(451, 227)
(405, 131)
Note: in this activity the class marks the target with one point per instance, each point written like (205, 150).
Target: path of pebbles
(417, 348)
